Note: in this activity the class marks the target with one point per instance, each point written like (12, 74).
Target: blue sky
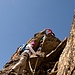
(21, 19)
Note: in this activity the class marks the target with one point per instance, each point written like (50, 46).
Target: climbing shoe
(11, 71)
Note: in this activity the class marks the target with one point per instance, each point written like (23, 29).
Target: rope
(35, 66)
(30, 67)
(33, 70)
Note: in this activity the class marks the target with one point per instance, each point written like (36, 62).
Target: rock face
(66, 65)
(57, 57)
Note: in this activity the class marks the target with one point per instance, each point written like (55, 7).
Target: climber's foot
(10, 72)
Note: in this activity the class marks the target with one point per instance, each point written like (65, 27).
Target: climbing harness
(33, 70)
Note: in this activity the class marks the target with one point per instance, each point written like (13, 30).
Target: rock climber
(43, 39)
(50, 31)
(23, 59)
(46, 31)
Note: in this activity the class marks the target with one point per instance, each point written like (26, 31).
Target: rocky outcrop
(66, 65)
(57, 57)
(50, 48)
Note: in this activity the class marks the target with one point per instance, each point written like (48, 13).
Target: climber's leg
(17, 66)
(23, 66)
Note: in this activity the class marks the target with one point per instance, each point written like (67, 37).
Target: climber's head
(49, 30)
(33, 43)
